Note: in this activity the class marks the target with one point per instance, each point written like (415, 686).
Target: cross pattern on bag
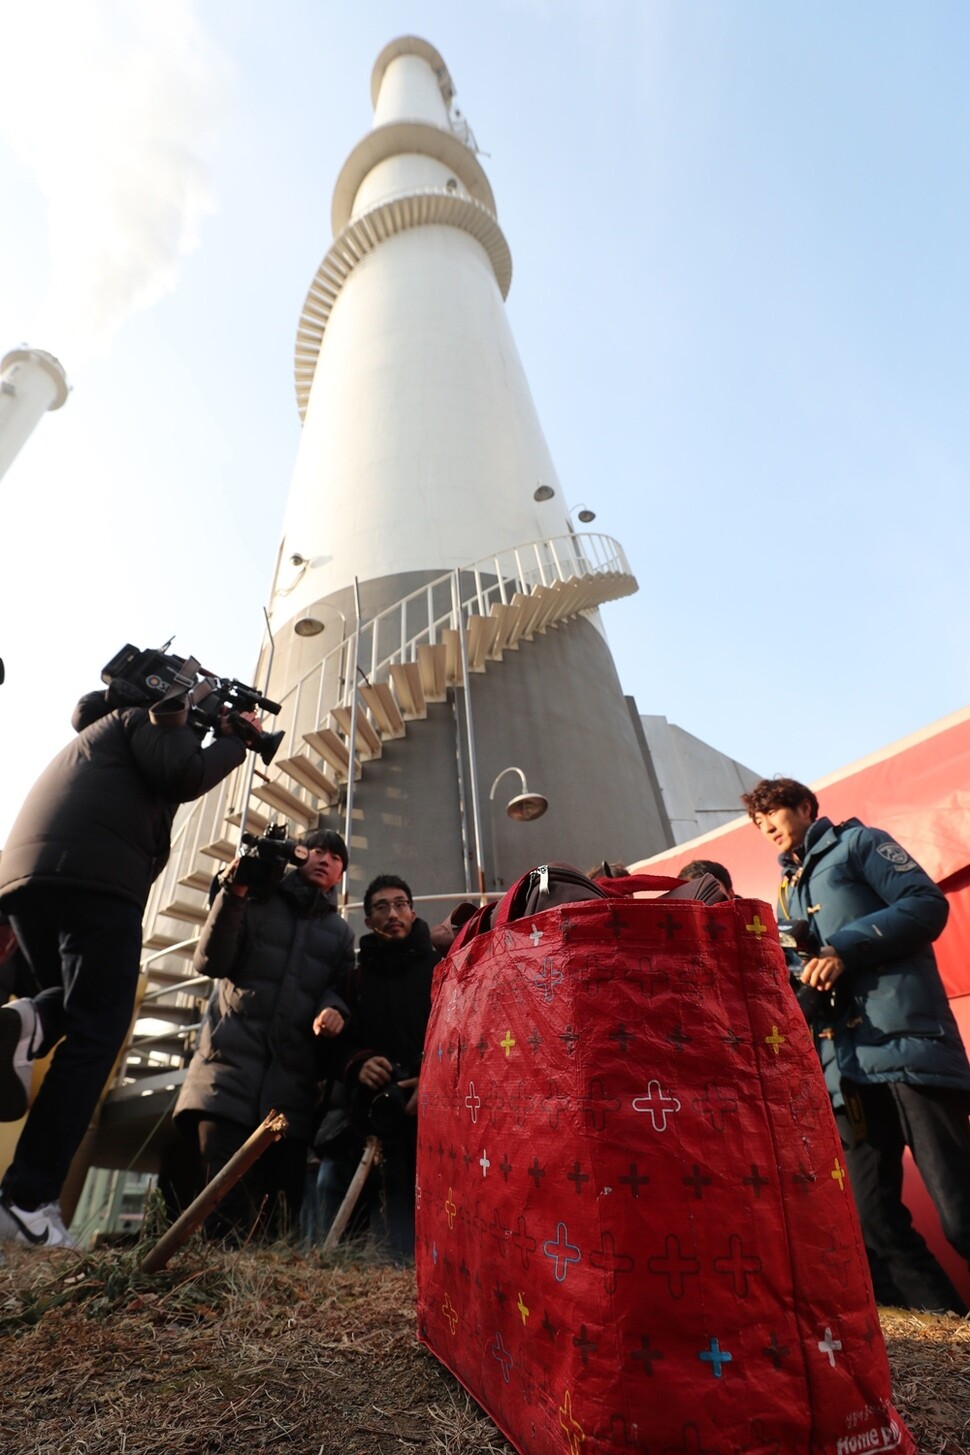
(614, 1142)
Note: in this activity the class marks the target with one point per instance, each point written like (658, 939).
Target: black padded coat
(100, 815)
(277, 962)
(390, 997)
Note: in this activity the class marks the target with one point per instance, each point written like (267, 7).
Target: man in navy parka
(895, 1065)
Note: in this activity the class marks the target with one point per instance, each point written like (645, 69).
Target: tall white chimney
(434, 612)
(31, 383)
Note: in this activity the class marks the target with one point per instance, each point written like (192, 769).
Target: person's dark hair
(386, 881)
(327, 839)
(607, 870)
(772, 793)
(698, 867)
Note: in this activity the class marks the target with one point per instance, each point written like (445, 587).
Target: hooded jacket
(100, 815)
(277, 961)
(864, 895)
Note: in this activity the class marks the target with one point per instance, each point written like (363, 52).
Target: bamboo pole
(371, 1149)
(269, 1131)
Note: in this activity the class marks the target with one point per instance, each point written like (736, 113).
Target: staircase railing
(393, 636)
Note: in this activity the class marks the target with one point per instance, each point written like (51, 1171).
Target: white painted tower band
(421, 446)
(31, 383)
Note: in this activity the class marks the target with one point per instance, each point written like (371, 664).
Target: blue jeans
(84, 951)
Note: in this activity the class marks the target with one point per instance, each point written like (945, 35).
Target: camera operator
(87, 844)
(277, 954)
(389, 995)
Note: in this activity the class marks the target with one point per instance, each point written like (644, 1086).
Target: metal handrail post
(251, 757)
(470, 737)
(353, 738)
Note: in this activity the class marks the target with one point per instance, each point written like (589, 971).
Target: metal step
(286, 803)
(406, 677)
(169, 979)
(482, 632)
(535, 604)
(334, 751)
(199, 879)
(432, 664)
(507, 617)
(383, 708)
(451, 637)
(159, 941)
(256, 822)
(369, 744)
(223, 849)
(184, 910)
(304, 771)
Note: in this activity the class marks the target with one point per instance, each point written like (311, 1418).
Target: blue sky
(740, 294)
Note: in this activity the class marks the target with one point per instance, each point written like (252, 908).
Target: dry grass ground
(268, 1351)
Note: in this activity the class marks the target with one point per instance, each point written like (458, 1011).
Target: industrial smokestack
(31, 382)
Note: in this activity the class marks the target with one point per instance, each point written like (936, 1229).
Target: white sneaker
(20, 1032)
(41, 1228)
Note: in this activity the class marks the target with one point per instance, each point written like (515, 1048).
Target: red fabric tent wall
(919, 791)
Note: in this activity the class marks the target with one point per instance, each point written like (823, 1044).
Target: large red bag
(634, 1227)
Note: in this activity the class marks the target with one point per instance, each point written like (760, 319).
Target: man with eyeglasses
(389, 996)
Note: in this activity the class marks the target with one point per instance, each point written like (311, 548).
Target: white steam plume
(114, 106)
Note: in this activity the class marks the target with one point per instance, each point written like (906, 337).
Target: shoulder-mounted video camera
(152, 678)
(265, 857)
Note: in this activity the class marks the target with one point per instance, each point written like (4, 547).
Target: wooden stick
(372, 1148)
(194, 1216)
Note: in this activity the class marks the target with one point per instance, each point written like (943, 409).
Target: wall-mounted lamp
(309, 625)
(543, 492)
(583, 513)
(523, 808)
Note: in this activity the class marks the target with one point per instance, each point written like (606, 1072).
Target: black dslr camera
(146, 679)
(386, 1115)
(819, 1007)
(265, 857)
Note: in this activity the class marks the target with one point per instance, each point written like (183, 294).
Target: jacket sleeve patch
(896, 856)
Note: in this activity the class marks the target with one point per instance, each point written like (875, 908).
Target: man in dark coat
(389, 995)
(278, 960)
(75, 874)
(894, 1063)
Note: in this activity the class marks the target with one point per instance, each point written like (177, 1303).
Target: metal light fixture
(308, 626)
(543, 492)
(583, 513)
(525, 806)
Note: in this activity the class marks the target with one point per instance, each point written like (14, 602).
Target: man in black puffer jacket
(277, 961)
(74, 877)
(389, 995)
